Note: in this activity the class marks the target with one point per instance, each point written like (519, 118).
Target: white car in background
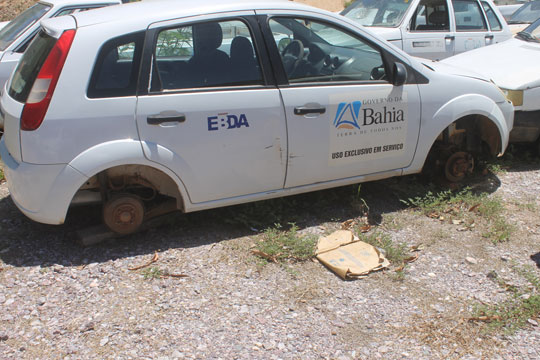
(514, 66)
(16, 35)
(524, 16)
(433, 29)
(148, 107)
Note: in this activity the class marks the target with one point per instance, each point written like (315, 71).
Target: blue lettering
(232, 120)
(242, 121)
(212, 123)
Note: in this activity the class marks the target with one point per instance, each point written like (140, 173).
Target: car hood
(451, 69)
(512, 64)
(385, 33)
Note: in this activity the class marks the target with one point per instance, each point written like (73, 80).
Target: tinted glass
(318, 52)
(469, 16)
(29, 66)
(431, 15)
(494, 23)
(204, 55)
(526, 14)
(385, 13)
(116, 71)
(18, 25)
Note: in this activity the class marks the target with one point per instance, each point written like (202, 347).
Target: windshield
(385, 13)
(18, 25)
(531, 33)
(526, 14)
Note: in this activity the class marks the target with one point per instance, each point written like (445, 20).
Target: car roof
(149, 11)
(57, 3)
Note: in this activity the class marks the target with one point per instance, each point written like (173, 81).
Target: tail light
(40, 96)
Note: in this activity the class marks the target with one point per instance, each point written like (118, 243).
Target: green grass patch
(512, 315)
(395, 253)
(2, 178)
(279, 245)
(467, 207)
(152, 273)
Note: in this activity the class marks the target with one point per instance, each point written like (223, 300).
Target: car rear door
(471, 27)
(208, 108)
(428, 33)
(344, 118)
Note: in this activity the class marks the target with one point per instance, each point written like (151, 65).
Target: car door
(211, 112)
(471, 27)
(429, 33)
(344, 117)
(496, 32)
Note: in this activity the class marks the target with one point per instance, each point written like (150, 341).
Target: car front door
(428, 33)
(211, 113)
(471, 28)
(344, 116)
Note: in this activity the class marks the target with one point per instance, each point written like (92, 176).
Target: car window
(468, 15)
(205, 55)
(494, 22)
(18, 25)
(526, 14)
(116, 69)
(431, 15)
(317, 52)
(75, 10)
(384, 13)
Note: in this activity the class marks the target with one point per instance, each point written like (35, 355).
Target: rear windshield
(30, 65)
(18, 25)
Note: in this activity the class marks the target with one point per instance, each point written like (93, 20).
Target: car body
(433, 29)
(513, 66)
(507, 8)
(524, 16)
(17, 34)
(217, 103)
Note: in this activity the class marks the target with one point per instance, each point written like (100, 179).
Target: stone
(471, 260)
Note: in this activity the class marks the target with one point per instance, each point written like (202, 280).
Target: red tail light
(40, 96)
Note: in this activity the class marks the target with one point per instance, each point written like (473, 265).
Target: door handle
(449, 37)
(164, 117)
(490, 37)
(304, 110)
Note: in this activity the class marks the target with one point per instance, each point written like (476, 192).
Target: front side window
(116, 70)
(22, 22)
(468, 15)
(494, 23)
(384, 13)
(206, 54)
(431, 15)
(317, 52)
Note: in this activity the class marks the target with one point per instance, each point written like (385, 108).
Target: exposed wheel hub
(458, 166)
(123, 214)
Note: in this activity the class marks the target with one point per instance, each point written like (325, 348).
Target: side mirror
(400, 74)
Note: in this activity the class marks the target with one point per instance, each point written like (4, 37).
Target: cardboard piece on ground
(348, 257)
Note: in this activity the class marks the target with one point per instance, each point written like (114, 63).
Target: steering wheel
(292, 55)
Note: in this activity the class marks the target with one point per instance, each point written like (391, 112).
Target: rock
(3, 337)
(532, 322)
(104, 341)
(471, 260)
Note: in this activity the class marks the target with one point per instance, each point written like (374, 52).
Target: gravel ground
(59, 300)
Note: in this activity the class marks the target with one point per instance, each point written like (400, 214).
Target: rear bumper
(526, 126)
(41, 192)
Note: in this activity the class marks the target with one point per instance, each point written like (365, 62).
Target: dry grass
(10, 8)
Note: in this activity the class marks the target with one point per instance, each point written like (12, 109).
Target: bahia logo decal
(348, 115)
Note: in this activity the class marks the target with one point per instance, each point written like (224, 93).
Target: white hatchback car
(152, 106)
(433, 29)
(19, 32)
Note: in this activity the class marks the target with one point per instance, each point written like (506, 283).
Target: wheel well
(476, 134)
(144, 181)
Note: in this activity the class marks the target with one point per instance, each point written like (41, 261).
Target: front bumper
(526, 126)
(41, 192)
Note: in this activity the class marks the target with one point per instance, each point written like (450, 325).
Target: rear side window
(30, 65)
(494, 23)
(469, 16)
(116, 69)
(18, 25)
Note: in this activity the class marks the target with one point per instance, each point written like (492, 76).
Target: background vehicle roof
(78, 2)
(149, 11)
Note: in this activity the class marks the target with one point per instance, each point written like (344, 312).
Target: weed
(496, 169)
(1, 175)
(500, 231)
(513, 314)
(392, 222)
(152, 272)
(395, 253)
(279, 245)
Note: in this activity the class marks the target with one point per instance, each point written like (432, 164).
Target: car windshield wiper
(527, 36)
